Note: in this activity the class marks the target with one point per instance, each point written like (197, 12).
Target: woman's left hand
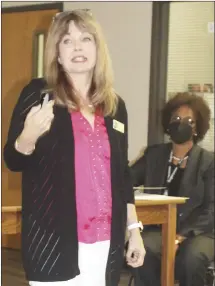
(179, 239)
(136, 250)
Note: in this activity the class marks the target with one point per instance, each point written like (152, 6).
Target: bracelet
(135, 225)
(25, 153)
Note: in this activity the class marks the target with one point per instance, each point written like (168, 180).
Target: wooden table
(11, 219)
(154, 211)
(162, 211)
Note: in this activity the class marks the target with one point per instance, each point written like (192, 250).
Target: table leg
(168, 247)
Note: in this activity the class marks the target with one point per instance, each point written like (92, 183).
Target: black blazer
(197, 214)
(49, 219)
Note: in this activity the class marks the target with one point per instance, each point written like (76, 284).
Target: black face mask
(180, 132)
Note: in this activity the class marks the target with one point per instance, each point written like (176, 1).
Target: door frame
(158, 70)
(34, 7)
(13, 241)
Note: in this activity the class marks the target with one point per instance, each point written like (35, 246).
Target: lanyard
(170, 175)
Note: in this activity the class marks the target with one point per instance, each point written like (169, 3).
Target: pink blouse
(93, 179)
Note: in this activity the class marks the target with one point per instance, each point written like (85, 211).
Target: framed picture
(194, 87)
(208, 87)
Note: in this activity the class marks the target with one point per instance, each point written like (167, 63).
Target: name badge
(118, 126)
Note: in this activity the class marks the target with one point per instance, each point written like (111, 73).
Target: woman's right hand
(38, 121)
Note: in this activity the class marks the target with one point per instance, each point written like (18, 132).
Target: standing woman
(71, 148)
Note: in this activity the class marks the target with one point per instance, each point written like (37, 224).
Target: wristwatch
(136, 225)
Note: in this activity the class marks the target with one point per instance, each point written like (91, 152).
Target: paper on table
(150, 197)
(142, 188)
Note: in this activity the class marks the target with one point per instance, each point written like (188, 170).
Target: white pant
(92, 264)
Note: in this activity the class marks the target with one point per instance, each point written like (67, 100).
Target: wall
(6, 4)
(191, 47)
(127, 27)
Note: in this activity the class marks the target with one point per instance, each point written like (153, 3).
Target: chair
(134, 278)
(210, 278)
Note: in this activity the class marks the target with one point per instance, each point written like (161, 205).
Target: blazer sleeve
(138, 170)
(204, 223)
(14, 160)
(127, 175)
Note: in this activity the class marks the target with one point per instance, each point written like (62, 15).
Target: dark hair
(199, 107)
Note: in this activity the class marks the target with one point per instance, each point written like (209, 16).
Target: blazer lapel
(190, 177)
(158, 174)
(64, 132)
(163, 163)
(113, 143)
(109, 126)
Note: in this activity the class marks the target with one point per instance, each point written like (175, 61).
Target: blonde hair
(102, 94)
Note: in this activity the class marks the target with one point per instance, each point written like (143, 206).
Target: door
(22, 53)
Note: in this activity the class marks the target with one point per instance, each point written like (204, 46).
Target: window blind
(191, 53)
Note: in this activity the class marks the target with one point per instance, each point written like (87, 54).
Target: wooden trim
(6, 209)
(34, 7)
(158, 73)
(35, 51)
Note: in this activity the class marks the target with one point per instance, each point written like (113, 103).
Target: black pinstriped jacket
(196, 216)
(49, 219)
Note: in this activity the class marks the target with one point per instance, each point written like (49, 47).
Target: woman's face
(77, 51)
(184, 114)
(182, 125)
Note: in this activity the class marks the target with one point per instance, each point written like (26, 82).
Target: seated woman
(187, 170)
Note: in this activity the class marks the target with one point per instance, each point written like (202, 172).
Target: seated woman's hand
(179, 239)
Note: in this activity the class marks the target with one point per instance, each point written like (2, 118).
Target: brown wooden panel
(18, 30)
(152, 214)
(11, 223)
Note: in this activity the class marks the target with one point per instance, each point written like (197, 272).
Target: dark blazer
(49, 218)
(197, 214)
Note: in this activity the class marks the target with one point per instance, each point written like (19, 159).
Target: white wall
(6, 4)
(127, 27)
